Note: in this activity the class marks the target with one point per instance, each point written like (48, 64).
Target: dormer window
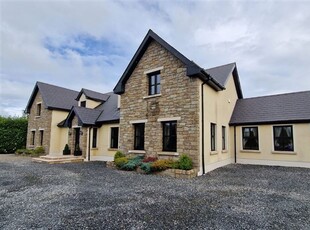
(154, 83)
(38, 110)
(83, 103)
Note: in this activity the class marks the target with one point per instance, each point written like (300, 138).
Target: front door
(77, 147)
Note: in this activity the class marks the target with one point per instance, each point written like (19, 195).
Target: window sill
(225, 151)
(213, 152)
(94, 148)
(137, 151)
(112, 149)
(37, 116)
(168, 154)
(152, 96)
(249, 151)
(284, 152)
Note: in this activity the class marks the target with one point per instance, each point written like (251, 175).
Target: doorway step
(58, 159)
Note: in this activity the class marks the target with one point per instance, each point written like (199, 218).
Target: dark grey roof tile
(282, 108)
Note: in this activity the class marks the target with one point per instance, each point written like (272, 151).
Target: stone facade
(37, 123)
(179, 99)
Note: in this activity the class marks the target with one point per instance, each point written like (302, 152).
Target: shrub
(20, 151)
(146, 167)
(13, 133)
(132, 164)
(120, 162)
(161, 165)
(118, 154)
(185, 162)
(39, 150)
(149, 159)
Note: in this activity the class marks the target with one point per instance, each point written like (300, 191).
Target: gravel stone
(90, 196)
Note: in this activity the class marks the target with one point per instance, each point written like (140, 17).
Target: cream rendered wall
(103, 150)
(59, 136)
(218, 108)
(266, 154)
(89, 103)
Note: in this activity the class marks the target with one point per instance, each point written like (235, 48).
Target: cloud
(88, 44)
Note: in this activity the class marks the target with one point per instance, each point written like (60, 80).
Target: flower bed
(182, 168)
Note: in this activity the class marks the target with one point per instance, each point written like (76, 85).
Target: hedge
(13, 134)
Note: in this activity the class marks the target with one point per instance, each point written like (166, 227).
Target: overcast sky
(88, 44)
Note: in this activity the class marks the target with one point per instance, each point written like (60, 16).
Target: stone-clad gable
(42, 122)
(179, 98)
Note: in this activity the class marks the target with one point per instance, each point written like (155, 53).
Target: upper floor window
(250, 138)
(223, 137)
(213, 137)
(283, 138)
(170, 136)
(154, 83)
(114, 138)
(83, 103)
(94, 144)
(139, 136)
(38, 109)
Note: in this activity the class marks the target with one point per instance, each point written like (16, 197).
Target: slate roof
(193, 70)
(221, 73)
(110, 110)
(54, 97)
(86, 116)
(92, 95)
(107, 112)
(274, 109)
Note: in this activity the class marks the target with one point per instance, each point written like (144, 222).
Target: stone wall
(179, 98)
(37, 123)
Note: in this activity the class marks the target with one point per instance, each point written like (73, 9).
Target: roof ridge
(40, 82)
(277, 95)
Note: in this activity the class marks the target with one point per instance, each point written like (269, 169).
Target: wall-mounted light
(69, 132)
(81, 132)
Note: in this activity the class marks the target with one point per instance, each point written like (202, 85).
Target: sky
(88, 44)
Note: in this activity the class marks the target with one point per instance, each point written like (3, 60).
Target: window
(223, 137)
(38, 109)
(213, 136)
(114, 138)
(139, 136)
(83, 103)
(33, 134)
(283, 138)
(170, 136)
(41, 137)
(94, 144)
(250, 138)
(154, 83)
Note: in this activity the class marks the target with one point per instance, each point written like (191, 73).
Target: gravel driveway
(91, 196)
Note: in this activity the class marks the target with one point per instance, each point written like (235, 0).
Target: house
(170, 106)
(84, 120)
(166, 105)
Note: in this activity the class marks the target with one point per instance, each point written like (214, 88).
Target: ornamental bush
(13, 133)
(161, 165)
(120, 162)
(132, 164)
(149, 159)
(146, 167)
(184, 163)
(118, 154)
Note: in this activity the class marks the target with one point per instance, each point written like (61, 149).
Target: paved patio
(89, 195)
